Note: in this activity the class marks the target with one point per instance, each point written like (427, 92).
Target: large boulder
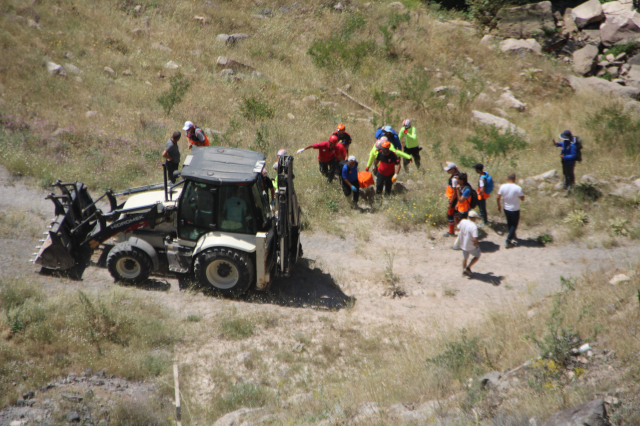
(588, 13)
(520, 46)
(55, 69)
(524, 21)
(507, 99)
(487, 119)
(592, 413)
(622, 23)
(603, 86)
(584, 60)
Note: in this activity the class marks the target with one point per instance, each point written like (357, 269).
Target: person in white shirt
(469, 242)
(512, 195)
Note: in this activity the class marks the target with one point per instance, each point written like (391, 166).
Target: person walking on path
(485, 188)
(386, 163)
(452, 196)
(195, 134)
(410, 143)
(343, 137)
(569, 156)
(512, 195)
(378, 146)
(464, 193)
(469, 242)
(350, 183)
(171, 155)
(326, 156)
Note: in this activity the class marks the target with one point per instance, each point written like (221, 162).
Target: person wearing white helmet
(410, 145)
(195, 135)
(376, 149)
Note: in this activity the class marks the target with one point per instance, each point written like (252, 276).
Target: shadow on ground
(488, 247)
(496, 280)
(307, 287)
(151, 285)
(529, 242)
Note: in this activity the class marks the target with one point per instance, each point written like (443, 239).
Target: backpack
(578, 143)
(473, 201)
(488, 183)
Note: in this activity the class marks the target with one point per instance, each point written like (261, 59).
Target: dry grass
(121, 146)
(46, 337)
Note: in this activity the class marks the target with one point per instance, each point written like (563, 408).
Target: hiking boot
(448, 234)
(467, 272)
(508, 244)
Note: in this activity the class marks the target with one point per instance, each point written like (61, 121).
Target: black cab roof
(217, 164)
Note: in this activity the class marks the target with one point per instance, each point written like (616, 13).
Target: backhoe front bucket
(74, 210)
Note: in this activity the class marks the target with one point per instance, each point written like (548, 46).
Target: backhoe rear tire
(226, 271)
(129, 265)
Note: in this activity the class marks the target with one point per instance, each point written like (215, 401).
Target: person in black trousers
(171, 155)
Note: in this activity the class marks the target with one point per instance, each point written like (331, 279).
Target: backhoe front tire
(129, 265)
(226, 271)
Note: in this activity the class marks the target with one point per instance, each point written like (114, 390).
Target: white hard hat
(187, 125)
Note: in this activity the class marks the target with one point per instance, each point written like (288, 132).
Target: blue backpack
(488, 183)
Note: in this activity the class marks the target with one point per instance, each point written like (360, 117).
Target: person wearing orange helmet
(343, 137)
(386, 163)
(326, 156)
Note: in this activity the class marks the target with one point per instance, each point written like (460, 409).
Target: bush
(630, 48)
(619, 227)
(493, 146)
(614, 127)
(254, 109)
(243, 395)
(577, 218)
(179, 86)
(587, 191)
(340, 51)
(461, 357)
(236, 328)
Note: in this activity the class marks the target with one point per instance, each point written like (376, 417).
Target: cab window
(196, 210)
(263, 212)
(236, 210)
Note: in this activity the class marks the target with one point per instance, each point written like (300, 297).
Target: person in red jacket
(386, 163)
(326, 156)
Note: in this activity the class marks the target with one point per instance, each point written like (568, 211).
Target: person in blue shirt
(350, 183)
(568, 155)
(392, 136)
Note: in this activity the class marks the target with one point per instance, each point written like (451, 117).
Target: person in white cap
(195, 135)
(469, 242)
(452, 196)
(350, 183)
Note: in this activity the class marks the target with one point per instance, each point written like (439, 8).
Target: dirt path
(333, 269)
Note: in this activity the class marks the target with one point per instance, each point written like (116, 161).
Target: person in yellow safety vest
(411, 147)
(195, 135)
(377, 147)
(452, 196)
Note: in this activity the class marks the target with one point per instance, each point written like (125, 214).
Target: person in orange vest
(452, 196)
(463, 195)
(195, 135)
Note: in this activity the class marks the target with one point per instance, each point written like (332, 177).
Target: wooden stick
(360, 103)
(177, 386)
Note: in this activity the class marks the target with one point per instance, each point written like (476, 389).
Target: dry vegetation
(341, 363)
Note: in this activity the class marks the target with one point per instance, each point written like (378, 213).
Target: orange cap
(386, 144)
(341, 127)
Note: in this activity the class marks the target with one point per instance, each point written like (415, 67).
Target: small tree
(179, 86)
(493, 146)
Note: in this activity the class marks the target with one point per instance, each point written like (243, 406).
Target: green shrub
(614, 127)
(394, 20)
(236, 328)
(620, 227)
(577, 218)
(262, 141)
(630, 48)
(253, 108)
(243, 395)
(340, 51)
(587, 191)
(544, 239)
(461, 357)
(179, 86)
(492, 146)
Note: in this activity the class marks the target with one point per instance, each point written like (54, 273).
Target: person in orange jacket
(452, 196)
(195, 135)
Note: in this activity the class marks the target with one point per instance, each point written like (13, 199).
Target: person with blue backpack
(571, 152)
(485, 188)
(391, 135)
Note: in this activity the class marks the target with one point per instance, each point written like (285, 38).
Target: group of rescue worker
(384, 157)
